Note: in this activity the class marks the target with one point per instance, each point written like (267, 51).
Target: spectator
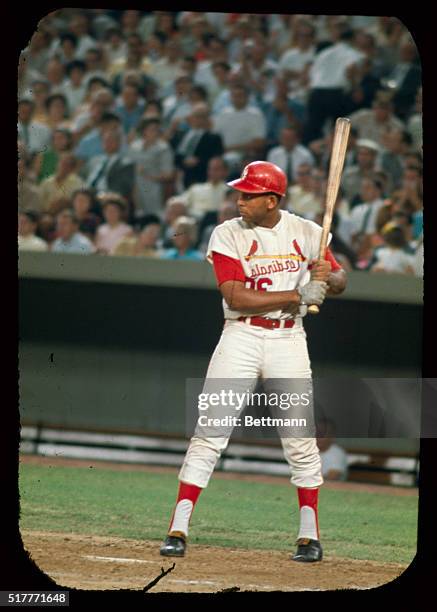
(79, 26)
(397, 144)
(242, 127)
(177, 106)
(301, 196)
(57, 188)
(175, 207)
(92, 143)
(367, 151)
(197, 147)
(364, 215)
(143, 244)
(184, 237)
(375, 123)
(112, 171)
(39, 92)
(67, 47)
(102, 101)
(45, 163)
(279, 112)
(114, 229)
(102, 22)
(55, 73)
(36, 54)
(207, 197)
(28, 192)
(153, 109)
(406, 77)
(146, 86)
(153, 160)
(57, 111)
(34, 136)
(134, 60)
(220, 72)
(289, 155)
(224, 99)
(333, 457)
(227, 210)
(414, 125)
(131, 108)
(115, 45)
(95, 64)
(334, 70)
(295, 62)
(165, 69)
(75, 87)
(70, 240)
(84, 206)
(256, 68)
(27, 225)
(47, 228)
(393, 256)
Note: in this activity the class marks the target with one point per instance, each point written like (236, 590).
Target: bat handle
(313, 309)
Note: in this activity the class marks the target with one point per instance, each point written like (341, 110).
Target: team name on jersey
(289, 262)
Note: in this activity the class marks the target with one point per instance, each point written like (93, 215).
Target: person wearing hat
(114, 229)
(267, 268)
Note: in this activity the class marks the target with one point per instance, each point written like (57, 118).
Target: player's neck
(271, 221)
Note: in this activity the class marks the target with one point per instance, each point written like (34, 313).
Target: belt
(268, 323)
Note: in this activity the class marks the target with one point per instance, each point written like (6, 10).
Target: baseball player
(267, 269)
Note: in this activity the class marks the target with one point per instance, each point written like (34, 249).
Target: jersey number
(259, 284)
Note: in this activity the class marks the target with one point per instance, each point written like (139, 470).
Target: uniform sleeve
(222, 241)
(227, 268)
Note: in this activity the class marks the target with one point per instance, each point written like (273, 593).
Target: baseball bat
(341, 136)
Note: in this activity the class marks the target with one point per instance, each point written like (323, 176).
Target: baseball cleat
(173, 546)
(308, 550)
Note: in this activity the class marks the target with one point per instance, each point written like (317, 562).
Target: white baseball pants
(249, 352)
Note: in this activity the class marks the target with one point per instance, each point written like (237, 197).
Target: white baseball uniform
(266, 259)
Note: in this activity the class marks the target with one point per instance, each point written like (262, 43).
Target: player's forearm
(337, 282)
(251, 301)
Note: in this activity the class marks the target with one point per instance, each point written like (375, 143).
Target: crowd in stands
(130, 123)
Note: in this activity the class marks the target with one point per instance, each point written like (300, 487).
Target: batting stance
(267, 268)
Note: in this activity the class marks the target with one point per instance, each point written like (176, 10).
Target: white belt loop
(247, 320)
(281, 323)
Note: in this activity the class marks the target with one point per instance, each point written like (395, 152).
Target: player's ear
(272, 202)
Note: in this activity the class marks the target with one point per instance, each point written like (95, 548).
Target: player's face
(255, 207)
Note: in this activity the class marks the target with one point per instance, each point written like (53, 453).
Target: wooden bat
(341, 136)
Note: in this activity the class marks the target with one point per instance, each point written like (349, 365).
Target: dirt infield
(99, 563)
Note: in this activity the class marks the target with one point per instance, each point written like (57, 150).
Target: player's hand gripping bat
(341, 135)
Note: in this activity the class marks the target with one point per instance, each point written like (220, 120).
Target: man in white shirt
(242, 127)
(207, 197)
(377, 122)
(295, 62)
(70, 240)
(363, 217)
(27, 224)
(332, 74)
(290, 154)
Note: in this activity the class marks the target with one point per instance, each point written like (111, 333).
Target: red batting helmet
(261, 177)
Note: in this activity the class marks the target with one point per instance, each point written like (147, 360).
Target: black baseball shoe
(308, 550)
(173, 546)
